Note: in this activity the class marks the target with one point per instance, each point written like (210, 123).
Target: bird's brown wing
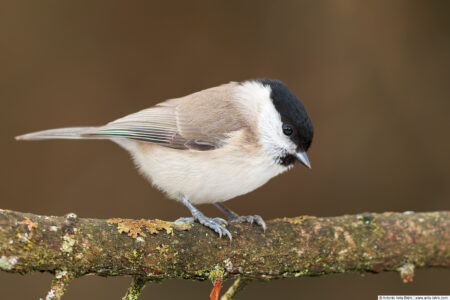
(201, 121)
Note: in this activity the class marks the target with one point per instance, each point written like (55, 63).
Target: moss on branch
(290, 247)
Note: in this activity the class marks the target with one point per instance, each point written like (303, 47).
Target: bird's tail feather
(60, 133)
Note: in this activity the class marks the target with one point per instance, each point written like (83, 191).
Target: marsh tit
(211, 146)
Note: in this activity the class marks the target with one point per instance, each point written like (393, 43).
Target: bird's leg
(212, 223)
(234, 217)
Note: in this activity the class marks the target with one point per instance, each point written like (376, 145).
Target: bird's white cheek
(257, 104)
(276, 144)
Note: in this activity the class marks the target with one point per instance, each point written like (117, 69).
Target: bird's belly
(206, 176)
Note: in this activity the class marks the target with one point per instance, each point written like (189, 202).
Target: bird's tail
(60, 133)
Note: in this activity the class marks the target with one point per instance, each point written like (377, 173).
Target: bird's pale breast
(207, 176)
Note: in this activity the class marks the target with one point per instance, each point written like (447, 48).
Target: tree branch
(137, 285)
(59, 285)
(237, 286)
(154, 249)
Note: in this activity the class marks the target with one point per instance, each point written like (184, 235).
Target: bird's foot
(191, 219)
(249, 219)
(216, 224)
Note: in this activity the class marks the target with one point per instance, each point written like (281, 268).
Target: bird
(210, 146)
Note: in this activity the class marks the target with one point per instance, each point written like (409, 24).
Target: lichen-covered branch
(59, 285)
(237, 286)
(291, 247)
(137, 285)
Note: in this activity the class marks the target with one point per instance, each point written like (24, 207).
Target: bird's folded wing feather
(201, 121)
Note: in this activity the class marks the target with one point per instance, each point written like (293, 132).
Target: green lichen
(68, 243)
(135, 256)
(7, 263)
(366, 219)
(407, 272)
(217, 274)
(296, 220)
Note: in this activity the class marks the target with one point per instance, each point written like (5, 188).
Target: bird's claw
(191, 219)
(249, 219)
(215, 224)
(188, 219)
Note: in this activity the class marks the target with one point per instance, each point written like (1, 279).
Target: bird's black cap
(292, 112)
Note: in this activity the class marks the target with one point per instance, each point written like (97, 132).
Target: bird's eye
(287, 129)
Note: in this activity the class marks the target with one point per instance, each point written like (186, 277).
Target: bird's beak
(303, 158)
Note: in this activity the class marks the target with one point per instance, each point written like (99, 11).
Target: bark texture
(70, 247)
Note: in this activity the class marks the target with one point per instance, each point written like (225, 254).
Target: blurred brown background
(374, 76)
